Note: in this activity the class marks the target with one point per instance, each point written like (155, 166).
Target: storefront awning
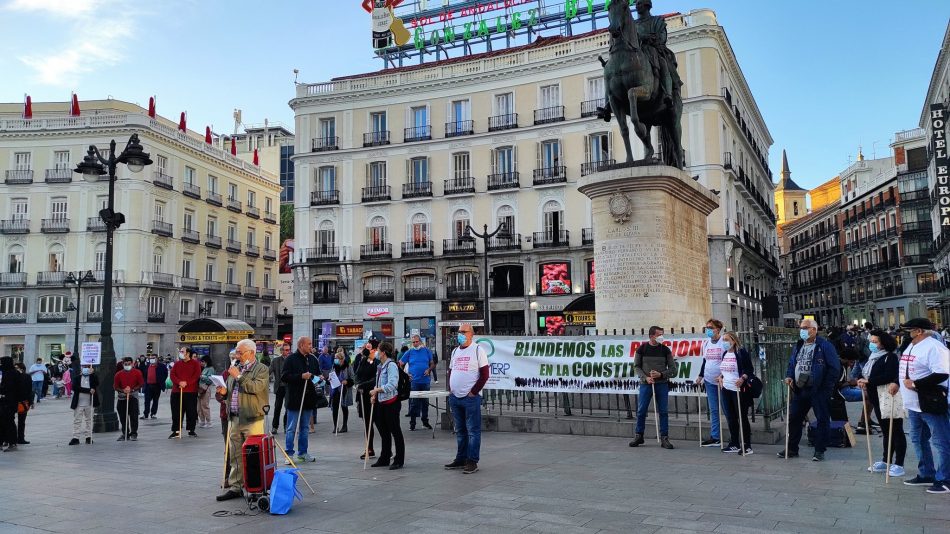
(208, 330)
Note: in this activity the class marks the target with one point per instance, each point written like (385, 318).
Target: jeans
(712, 401)
(929, 432)
(851, 394)
(662, 403)
(152, 394)
(467, 414)
(417, 406)
(291, 430)
(38, 390)
(803, 401)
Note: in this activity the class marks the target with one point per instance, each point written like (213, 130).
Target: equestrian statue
(642, 83)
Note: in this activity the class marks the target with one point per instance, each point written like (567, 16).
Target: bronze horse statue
(634, 90)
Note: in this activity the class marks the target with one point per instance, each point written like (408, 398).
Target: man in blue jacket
(813, 371)
(418, 364)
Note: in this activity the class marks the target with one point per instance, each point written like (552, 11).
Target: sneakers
(456, 464)
(305, 458)
(920, 481)
(818, 457)
(711, 442)
(273, 432)
(287, 461)
(371, 455)
(665, 443)
(878, 467)
(192, 433)
(74, 441)
(896, 471)
(425, 424)
(121, 438)
(88, 441)
(472, 467)
(791, 454)
(637, 441)
(134, 437)
(173, 435)
(748, 451)
(939, 487)
(732, 449)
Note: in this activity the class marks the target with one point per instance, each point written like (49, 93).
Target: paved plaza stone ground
(526, 483)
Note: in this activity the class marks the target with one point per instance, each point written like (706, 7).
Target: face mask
(234, 363)
(181, 356)
(339, 361)
(153, 361)
(709, 333)
(659, 339)
(872, 347)
(127, 367)
(803, 333)
(461, 338)
(726, 345)
(86, 371)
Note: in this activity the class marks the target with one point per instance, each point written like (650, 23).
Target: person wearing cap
(924, 368)
(127, 383)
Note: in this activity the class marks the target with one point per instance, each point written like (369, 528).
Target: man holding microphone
(246, 395)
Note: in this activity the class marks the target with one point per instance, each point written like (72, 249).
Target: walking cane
(788, 414)
(181, 407)
(699, 405)
(656, 416)
(369, 431)
(719, 409)
(890, 436)
(741, 435)
(300, 414)
(126, 429)
(227, 455)
(867, 427)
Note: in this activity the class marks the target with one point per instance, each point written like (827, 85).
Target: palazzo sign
(938, 129)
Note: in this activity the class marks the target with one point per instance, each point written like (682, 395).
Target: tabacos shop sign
(484, 20)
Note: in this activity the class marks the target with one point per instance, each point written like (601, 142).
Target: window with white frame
(52, 304)
(232, 269)
(596, 89)
(212, 184)
(249, 311)
(377, 234)
(268, 241)
(251, 237)
(186, 307)
(377, 120)
(463, 280)
(249, 279)
(156, 305)
(506, 216)
(550, 96)
(56, 258)
(12, 305)
(549, 156)
(553, 219)
(266, 312)
(20, 209)
(100, 257)
(161, 164)
(230, 310)
(597, 148)
(460, 220)
(187, 266)
(251, 199)
(267, 278)
(95, 304)
(504, 104)
(159, 211)
(503, 160)
(232, 191)
(328, 130)
(418, 170)
(158, 260)
(189, 221)
(23, 161)
(268, 204)
(326, 237)
(59, 210)
(209, 270)
(232, 232)
(419, 231)
(461, 165)
(15, 258)
(376, 174)
(190, 176)
(326, 179)
(61, 160)
(212, 227)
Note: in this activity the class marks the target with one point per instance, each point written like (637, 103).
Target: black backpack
(404, 388)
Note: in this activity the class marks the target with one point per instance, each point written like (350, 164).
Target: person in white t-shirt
(925, 364)
(468, 374)
(712, 352)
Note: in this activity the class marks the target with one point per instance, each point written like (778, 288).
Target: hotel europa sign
(938, 133)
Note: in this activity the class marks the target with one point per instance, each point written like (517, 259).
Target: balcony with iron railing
(461, 292)
(498, 123)
(458, 247)
(211, 286)
(95, 224)
(234, 205)
(270, 254)
(270, 217)
(324, 198)
(503, 180)
(918, 259)
(919, 195)
(419, 293)
(8, 318)
(59, 176)
(190, 236)
(460, 186)
(232, 246)
(587, 236)
(189, 284)
(162, 228)
(191, 191)
(15, 226)
(251, 320)
(56, 225)
(551, 239)
(252, 251)
(325, 144)
(549, 115)
(589, 107)
(377, 193)
(184, 317)
(376, 251)
(550, 175)
(513, 242)
(417, 133)
(908, 227)
(51, 317)
(379, 138)
(459, 128)
(322, 254)
(252, 292)
(214, 199)
(94, 317)
(12, 279)
(591, 167)
(230, 315)
(326, 296)
(19, 177)
(156, 317)
(232, 289)
(269, 293)
(163, 279)
(416, 249)
(379, 295)
(213, 241)
(727, 161)
(163, 180)
(417, 189)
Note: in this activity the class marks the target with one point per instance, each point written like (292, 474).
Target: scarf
(875, 356)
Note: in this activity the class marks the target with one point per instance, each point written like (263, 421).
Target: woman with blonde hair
(736, 368)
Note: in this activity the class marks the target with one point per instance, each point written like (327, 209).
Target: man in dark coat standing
(301, 396)
(9, 398)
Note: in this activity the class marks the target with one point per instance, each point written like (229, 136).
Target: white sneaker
(896, 471)
(878, 467)
(287, 461)
(305, 458)
(748, 451)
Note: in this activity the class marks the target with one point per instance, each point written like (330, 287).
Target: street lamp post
(469, 236)
(94, 166)
(78, 279)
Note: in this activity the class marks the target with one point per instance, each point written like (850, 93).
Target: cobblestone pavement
(526, 482)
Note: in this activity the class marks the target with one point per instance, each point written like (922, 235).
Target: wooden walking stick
(788, 414)
(294, 465)
(867, 427)
(181, 407)
(227, 455)
(369, 432)
(719, 408)
(699, 405)
(303, 394)
(739, 418)
(890, 437)
(656, 415)
(126, 429)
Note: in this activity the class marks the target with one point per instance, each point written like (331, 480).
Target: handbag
(754, 386)
(22, 407)
(283, 491)
(885, 400)
(322, 401)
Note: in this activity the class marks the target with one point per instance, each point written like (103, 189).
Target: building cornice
(934, 78)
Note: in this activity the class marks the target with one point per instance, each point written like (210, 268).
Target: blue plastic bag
(283, 491)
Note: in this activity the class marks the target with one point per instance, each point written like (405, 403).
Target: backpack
(404, 388)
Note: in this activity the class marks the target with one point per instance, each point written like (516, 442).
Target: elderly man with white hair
(812, 373)
(245, 396)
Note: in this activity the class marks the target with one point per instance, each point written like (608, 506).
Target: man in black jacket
(9, 398)
(301, 396)
(277, 370)
(26, 398)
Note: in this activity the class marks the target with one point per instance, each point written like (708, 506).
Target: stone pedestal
(650, 248)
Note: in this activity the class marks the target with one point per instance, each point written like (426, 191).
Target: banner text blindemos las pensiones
(583, 366)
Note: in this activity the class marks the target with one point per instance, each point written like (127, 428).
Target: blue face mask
(709, 333)
(86, 371)
(872, 347)
(726, 345)
(461, 338)
(803, 333)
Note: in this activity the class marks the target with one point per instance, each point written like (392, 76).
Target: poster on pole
(91, 353)
(575, 365)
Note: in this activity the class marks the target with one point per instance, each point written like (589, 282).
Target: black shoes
(342, 430)
(637, 441)
(173, 435)
(470, 467)
(380, 463)
(395, 466)
(144, 417)
(74, 441)
(228, 495)
(791, 454)
(88, 441)
(711, 442)
(818, 457)
(134, 437)
(665, 443)
(426, 424)
(192, 434)
(456, 464)
(121, 438)
(371, 455)
(22, 442)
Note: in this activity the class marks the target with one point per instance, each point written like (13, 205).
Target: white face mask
(181, 355)
(153, 360)
(127, 367)
(659, 339)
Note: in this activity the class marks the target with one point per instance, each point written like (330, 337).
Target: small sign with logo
(91, 353)
(349, 330)
(377, 311)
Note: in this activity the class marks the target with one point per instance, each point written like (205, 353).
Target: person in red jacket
(127, 383)
(184, 376)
